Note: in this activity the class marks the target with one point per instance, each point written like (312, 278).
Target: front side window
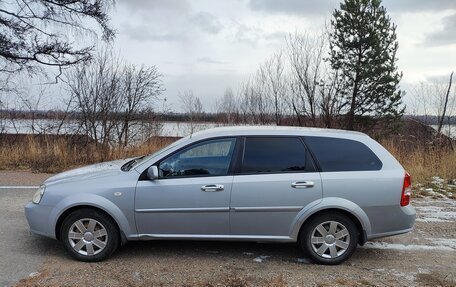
(336, 154)
(209, 158)
(273, 155)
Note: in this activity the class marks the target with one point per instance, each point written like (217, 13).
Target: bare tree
(140, 86)
(255, 106)
(445, 104)
(434, 99)
(424, 101)
(192, 107)
(271, 75)
(94, 93)
(306, 58)
(110, 97)
(330, 91)
(314, 87)
(38, 33)
(228, 107)
(262, 97)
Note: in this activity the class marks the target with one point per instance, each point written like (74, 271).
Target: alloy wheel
(330, 239)
(87, 236)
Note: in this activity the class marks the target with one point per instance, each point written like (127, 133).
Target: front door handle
(212, 187)
(302, 184)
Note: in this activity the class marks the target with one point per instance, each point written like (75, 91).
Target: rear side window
(334, 154)
(273, 155)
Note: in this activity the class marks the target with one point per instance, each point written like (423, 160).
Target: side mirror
(152, 172)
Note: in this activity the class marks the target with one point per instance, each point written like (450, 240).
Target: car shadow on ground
(187, 247)
(200, 249)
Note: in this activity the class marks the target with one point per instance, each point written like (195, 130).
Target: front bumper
(38, 217)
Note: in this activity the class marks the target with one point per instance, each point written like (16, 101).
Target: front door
(192, 194)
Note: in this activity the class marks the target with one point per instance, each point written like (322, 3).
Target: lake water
(171, 129)
(47, 126)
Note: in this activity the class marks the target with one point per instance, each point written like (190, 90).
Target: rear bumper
(38, 218)
(396, 221)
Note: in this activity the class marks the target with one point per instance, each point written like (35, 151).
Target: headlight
(38, 194)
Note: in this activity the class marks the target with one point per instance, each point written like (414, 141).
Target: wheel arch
(329, 205)
(101, 204)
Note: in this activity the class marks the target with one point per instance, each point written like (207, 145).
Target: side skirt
(260, 238)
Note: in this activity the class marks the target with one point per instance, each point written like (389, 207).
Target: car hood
(88, 172)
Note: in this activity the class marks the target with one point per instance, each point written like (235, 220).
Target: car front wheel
(329, 238)
(89, 235)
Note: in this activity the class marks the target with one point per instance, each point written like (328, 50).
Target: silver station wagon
(328, 190)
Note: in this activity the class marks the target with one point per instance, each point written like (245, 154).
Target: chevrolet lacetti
(328, 190)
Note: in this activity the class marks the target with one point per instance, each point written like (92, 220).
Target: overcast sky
(208, 46)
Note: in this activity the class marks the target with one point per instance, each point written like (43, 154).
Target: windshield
(163, 150)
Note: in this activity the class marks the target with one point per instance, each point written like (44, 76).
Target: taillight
(406, 190)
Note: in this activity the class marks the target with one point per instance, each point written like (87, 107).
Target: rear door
(274, 182)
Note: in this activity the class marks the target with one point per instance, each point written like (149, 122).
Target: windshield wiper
(129, 164)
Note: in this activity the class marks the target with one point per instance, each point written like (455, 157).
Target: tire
(89, 235)
(336, 246)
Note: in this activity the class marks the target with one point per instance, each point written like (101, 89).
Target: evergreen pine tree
(363, 49)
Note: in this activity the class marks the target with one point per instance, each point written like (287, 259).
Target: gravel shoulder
(22, 177)
(424, 257)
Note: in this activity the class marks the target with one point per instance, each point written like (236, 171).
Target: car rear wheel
(89, 235)
(329, 238)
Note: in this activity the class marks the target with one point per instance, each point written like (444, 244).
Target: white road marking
(19, 187)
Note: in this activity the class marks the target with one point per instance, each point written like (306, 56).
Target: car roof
(274, 131)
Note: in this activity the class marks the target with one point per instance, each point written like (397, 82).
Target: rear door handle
(212, 187)
(302, 184)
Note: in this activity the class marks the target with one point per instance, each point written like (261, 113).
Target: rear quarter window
(335, 154)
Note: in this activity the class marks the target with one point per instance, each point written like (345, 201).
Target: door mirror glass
(152, 172)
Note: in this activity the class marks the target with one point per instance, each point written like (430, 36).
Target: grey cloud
(321, 7)
(142, 33)
(440, 78)
(183, 28)
(445, 36)
(419, 5)
(207, 22)
(276, 36)
(172, 5)
(252, 35)
(305, 7)
(248, 35)
(209, 60)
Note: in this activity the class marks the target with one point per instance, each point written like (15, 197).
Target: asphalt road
(21, 254)
(427, 256)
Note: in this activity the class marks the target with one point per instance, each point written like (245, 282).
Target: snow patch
(430, 219)
(303, 260)
(437, 180)
(402, 247)
(407, 276)
(424, 270)
(449, 242)
(261, 258)
(436, 213)
(379, 270)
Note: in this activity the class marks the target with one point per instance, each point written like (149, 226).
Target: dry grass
(423, 163)
(61, 154)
